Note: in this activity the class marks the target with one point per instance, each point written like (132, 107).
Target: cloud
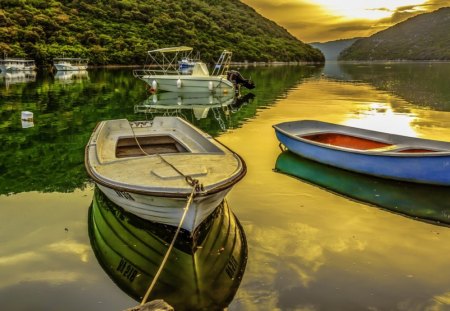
(311, 22)
(405, 12)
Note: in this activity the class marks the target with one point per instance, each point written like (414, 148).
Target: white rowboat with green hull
(146, 167)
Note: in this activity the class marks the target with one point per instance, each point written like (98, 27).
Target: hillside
(423, 37)
(332, 49)
(122, 31)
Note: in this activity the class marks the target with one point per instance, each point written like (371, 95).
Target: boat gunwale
(334, 129)
(176, 76)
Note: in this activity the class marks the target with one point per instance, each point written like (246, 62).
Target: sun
(364, 9)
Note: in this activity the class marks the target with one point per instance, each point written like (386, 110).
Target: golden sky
(326, 20)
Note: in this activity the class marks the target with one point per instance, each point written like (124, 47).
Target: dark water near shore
(310, 245)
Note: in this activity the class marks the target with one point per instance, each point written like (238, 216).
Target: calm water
(311, 237)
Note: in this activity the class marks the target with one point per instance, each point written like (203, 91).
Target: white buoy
(27, 124)
(154, 85)
(179, 83)
(210, 86)
(27, 116)
(155, 98)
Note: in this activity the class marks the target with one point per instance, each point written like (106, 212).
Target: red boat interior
(358, 143)
(347, 141)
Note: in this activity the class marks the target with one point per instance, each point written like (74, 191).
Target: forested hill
(122, 31)
(423, 37)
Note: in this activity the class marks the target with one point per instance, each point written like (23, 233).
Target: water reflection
(66, 113)
(202, 273)
(8, 78)
(194, 107)
(423, 84)
(171, 99)
(71, 76)
(425, 202)
(380, 116)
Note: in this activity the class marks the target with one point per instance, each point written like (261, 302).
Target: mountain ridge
(422, 37)
(122, 31)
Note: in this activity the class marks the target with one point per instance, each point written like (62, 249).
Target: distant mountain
(121, 32)
(332, 49)
(423, 37)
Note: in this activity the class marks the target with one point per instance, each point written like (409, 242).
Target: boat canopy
(165, 60)
(172, 49)
(16, 61)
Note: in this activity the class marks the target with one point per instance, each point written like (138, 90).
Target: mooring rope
(196, 187)
(150, 288)
(191, 181)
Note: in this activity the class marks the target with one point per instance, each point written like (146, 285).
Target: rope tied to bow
(197, 187)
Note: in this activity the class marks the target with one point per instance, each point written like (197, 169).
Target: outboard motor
(238, 80)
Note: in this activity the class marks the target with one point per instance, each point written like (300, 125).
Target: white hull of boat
(186, 83)
(13, 69)
(65, 67)
(166, 210)
(5, 67)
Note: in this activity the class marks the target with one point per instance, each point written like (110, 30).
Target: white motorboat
(70, 64)
(16, 64)
(146, 167)
(165, 73)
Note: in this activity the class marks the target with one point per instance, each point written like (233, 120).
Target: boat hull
(15, 68)
(166, 210)
(62, 67)
(189, 84)
(427, 168)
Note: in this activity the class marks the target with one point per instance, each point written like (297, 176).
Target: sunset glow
(327, 20)
(364, 9)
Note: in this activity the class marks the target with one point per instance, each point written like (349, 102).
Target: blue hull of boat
(420, 169)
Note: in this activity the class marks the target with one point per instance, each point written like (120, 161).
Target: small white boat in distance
(16, 64)
(70, 64)
(145, 168)
(165, 73)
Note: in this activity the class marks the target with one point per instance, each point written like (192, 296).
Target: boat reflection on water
(202, 272)
(16, 77)
(218, 107)
(71, 76)
(420, 201)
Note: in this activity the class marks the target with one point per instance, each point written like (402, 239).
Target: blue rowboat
(428, 203)
(369, 152)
